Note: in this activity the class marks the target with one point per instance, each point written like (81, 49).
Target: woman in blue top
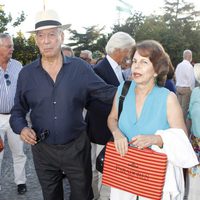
(194, 129)
(148, 106)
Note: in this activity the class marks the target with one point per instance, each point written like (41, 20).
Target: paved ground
(8, 188)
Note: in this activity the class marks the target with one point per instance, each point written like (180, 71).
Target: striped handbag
(141, 172)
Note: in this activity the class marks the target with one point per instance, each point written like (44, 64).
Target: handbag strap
(125, 89)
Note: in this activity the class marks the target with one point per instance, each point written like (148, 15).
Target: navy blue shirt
(57, 106)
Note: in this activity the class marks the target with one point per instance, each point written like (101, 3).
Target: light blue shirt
(7, 91)
(194, 111)
(153, 116)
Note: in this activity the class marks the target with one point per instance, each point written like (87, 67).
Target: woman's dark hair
(157, 55)
(170, 74)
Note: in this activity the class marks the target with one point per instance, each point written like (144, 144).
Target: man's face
(124, 59)
(49, 41)
(6, 48)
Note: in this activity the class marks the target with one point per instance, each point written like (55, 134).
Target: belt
(4, 113)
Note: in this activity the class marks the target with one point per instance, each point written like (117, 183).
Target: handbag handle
(125, 89)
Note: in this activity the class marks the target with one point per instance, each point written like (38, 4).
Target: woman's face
(142, 70)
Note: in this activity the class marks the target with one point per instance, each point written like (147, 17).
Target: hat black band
(47, 23)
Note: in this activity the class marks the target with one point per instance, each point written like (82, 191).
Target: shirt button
(55, 117)
(54, 102)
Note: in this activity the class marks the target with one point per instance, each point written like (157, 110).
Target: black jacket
(96, 118)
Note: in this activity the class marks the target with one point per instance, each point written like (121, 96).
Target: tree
(183, 28)
(131, 24)
(25, 49)
(153, 27)
(179, 10)
(87, 40)
(6, 19)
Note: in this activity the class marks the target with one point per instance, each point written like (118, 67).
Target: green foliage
(25, 49)
(131, 25)
(6, 19)
(87, 40)
(177, 29)
(19, 19)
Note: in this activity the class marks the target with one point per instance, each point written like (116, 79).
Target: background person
(67, 51)
(194, 129)
(170, 84)
(86, 55)
(9, 70)
(55, 89)
(149, 107)
(185, 81)
(118, 50)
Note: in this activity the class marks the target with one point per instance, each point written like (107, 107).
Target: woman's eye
(145, 62)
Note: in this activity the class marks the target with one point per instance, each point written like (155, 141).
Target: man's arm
(19, 110)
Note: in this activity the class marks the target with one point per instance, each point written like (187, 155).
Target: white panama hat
(47, 19)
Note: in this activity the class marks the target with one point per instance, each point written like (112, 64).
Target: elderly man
(87, 56)
(55, 89)
(118, 51)
(67, 51)
(9, 70)
(185, 81)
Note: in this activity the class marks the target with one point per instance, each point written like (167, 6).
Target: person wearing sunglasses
(9, 70)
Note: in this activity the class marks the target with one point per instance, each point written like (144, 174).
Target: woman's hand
(144, 141)
(121, 143)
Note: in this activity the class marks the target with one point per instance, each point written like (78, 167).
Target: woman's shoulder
(161, 90)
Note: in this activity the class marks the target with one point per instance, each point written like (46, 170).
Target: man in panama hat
(55, 89)
(47, 19)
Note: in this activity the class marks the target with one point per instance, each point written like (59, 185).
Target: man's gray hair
(119, 40)
(89, 53)
(3, 36)
(187, 53)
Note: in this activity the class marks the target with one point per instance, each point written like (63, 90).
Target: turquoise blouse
(194, 111)
(153, 116)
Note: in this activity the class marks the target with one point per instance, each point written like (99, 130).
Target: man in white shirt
(9, 70)
(185, 80)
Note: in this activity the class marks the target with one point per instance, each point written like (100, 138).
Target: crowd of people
(66, 108)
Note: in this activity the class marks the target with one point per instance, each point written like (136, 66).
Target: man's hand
(28, 135)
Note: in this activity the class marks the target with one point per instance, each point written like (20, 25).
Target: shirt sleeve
(99, 89)
(20, 109)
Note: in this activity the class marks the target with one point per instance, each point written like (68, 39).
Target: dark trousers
(74, 159)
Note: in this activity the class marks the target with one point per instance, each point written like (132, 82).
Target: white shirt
(116, 68)
(7, 91)
(185, 75)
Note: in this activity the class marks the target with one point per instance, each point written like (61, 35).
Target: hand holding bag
(140, 172)
(101, 156)
(1, 144)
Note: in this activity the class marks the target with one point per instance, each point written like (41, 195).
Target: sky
(80, 13)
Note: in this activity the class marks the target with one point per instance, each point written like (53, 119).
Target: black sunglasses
(42, 136)
(8, 82)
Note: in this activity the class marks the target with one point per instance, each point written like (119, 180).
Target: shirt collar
(65, 60)
(112, 62)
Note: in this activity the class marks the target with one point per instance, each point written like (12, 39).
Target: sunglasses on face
(8, 82)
